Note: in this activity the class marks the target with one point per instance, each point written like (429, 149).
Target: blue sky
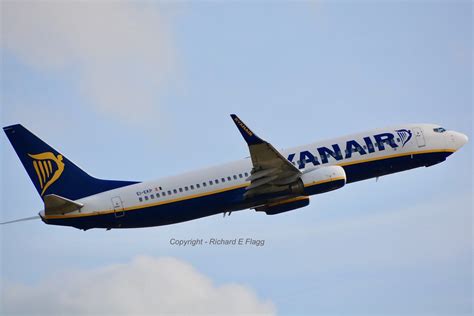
(137, 91)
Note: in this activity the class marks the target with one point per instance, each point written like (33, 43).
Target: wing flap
(261, 174)
(260, 182)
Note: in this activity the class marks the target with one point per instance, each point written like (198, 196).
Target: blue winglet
(248, 135)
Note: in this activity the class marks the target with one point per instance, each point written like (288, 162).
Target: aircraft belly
(164, 214)
(377, 168)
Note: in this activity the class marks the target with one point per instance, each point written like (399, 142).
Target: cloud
(145, 286)
(121, 52)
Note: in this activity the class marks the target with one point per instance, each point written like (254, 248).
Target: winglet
(248, 135)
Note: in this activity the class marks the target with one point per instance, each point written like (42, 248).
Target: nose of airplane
(458, 140)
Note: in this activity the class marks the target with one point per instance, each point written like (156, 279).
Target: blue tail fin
(51, 172)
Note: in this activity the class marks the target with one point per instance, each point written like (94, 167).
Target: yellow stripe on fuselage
(198, 195)
(133, 208)
(324, 181)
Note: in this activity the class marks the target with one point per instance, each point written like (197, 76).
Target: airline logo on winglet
(48, 168)
(242, 126)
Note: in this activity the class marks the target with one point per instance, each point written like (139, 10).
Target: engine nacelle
(323, 179)
(284, 205)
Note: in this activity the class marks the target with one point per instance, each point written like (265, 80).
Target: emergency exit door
(420, 138)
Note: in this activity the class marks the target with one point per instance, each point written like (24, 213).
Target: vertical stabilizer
(51, 172)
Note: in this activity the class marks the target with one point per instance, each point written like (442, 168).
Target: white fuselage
(351, 152)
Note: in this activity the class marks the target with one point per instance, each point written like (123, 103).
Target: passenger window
(169, 192)
(152, 196)
(192, 187)
(222, 179)
(246, 174)
(180, 189)
(210, 182)
(204, 184)
(185, 188)
(198, 186)
(146, 198)
(175, 191)
(240, 175)
(235, 177)
(140, 199)
(157, 195)
(216, 181)
(229, 178)
(163, 193)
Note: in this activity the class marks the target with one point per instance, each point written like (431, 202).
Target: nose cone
(458, 139)
(464, 139)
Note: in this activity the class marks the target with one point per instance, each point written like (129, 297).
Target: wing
(270, 168)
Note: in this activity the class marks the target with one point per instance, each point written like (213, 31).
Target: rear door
(118, 206)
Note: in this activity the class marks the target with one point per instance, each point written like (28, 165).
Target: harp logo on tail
(48, 168)
(405, 135)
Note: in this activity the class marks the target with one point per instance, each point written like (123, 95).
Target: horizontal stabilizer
(55, 205)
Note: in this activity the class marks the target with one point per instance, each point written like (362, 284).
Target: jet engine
(283, 205)
(320, 180)
(323, 180)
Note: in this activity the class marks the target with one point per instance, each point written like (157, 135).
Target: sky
(143, 90)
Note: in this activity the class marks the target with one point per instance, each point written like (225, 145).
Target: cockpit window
(439, 130)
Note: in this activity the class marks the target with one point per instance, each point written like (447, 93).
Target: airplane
(268, 181)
